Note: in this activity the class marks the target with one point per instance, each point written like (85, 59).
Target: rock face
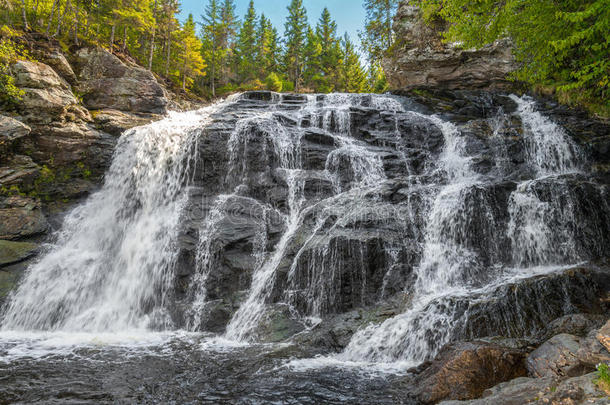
(21, 217)
(465, 370)
(10, 131)
(572, 391)
(47, 96)
(421, 59)
(604, 335)
(106, 82)
(556, 358)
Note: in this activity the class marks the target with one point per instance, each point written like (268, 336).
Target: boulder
(36, 75)
(108, 83)
(18, 171)
(10, 131)
(464, 370)
(421, 59)
(60, 64)
(572, 391)
(603, 335)
(574, 324)
(592, 352)
(557, 357)
(21, 217)
(116, 122)
(14, 252)
(47, 97)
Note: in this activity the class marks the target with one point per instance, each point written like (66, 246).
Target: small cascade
(549, 148)
(449, 282)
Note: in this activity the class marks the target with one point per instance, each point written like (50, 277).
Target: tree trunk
(124, 38)
(23, 16)
(169, 47)
(51, 16)
(184, 68)
(152, 39)
(76, 13)
(213, 76)
(35, 19)
(88, 25)
(61, 18)
(112, 37)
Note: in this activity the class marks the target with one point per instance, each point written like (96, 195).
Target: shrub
(603, 380)
(287, 85)
(10, 52)
(274, 83)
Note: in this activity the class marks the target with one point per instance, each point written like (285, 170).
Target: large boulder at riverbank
(465, 370)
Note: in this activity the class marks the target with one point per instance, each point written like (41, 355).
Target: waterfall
(110, 267)
(308, 207)
(541, 233)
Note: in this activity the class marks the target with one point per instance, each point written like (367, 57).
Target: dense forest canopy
(218, 51)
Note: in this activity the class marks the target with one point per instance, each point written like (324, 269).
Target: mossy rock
(7, 282)
(13, 252)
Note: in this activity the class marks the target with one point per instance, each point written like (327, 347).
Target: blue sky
(349, 14)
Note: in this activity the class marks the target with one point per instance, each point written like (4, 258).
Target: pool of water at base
(179, 368)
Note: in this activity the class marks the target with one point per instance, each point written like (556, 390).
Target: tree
(378, 82)
(559, 43)
(312, 70)
(295, 35)
(378, 35)
(330, 57)
(246, 45)
(212, 49)
(230, 26)
(190, 60)
(23, 16)
(353, 77)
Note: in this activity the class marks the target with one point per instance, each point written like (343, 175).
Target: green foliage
(10, 52)
(603, 377)
(295, 37)
(560, 43)
(274, 83)
(353, 78)
(377, 79)
(378, 35)
(223, 56)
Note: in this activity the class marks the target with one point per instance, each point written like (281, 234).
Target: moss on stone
(13, 252)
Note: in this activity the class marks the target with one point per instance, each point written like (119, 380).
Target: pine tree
(190, 60)
(230, 26)
(378, 35)
(312, 70)
(246, 45)
(295, 37)
(353, 76)
(275, 51)
(212, 49)
(330, 57)
(263, 35)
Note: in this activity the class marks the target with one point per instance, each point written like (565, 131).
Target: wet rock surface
(329, 221)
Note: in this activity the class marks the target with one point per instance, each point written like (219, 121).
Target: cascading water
(111, 267)
(261, 217)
